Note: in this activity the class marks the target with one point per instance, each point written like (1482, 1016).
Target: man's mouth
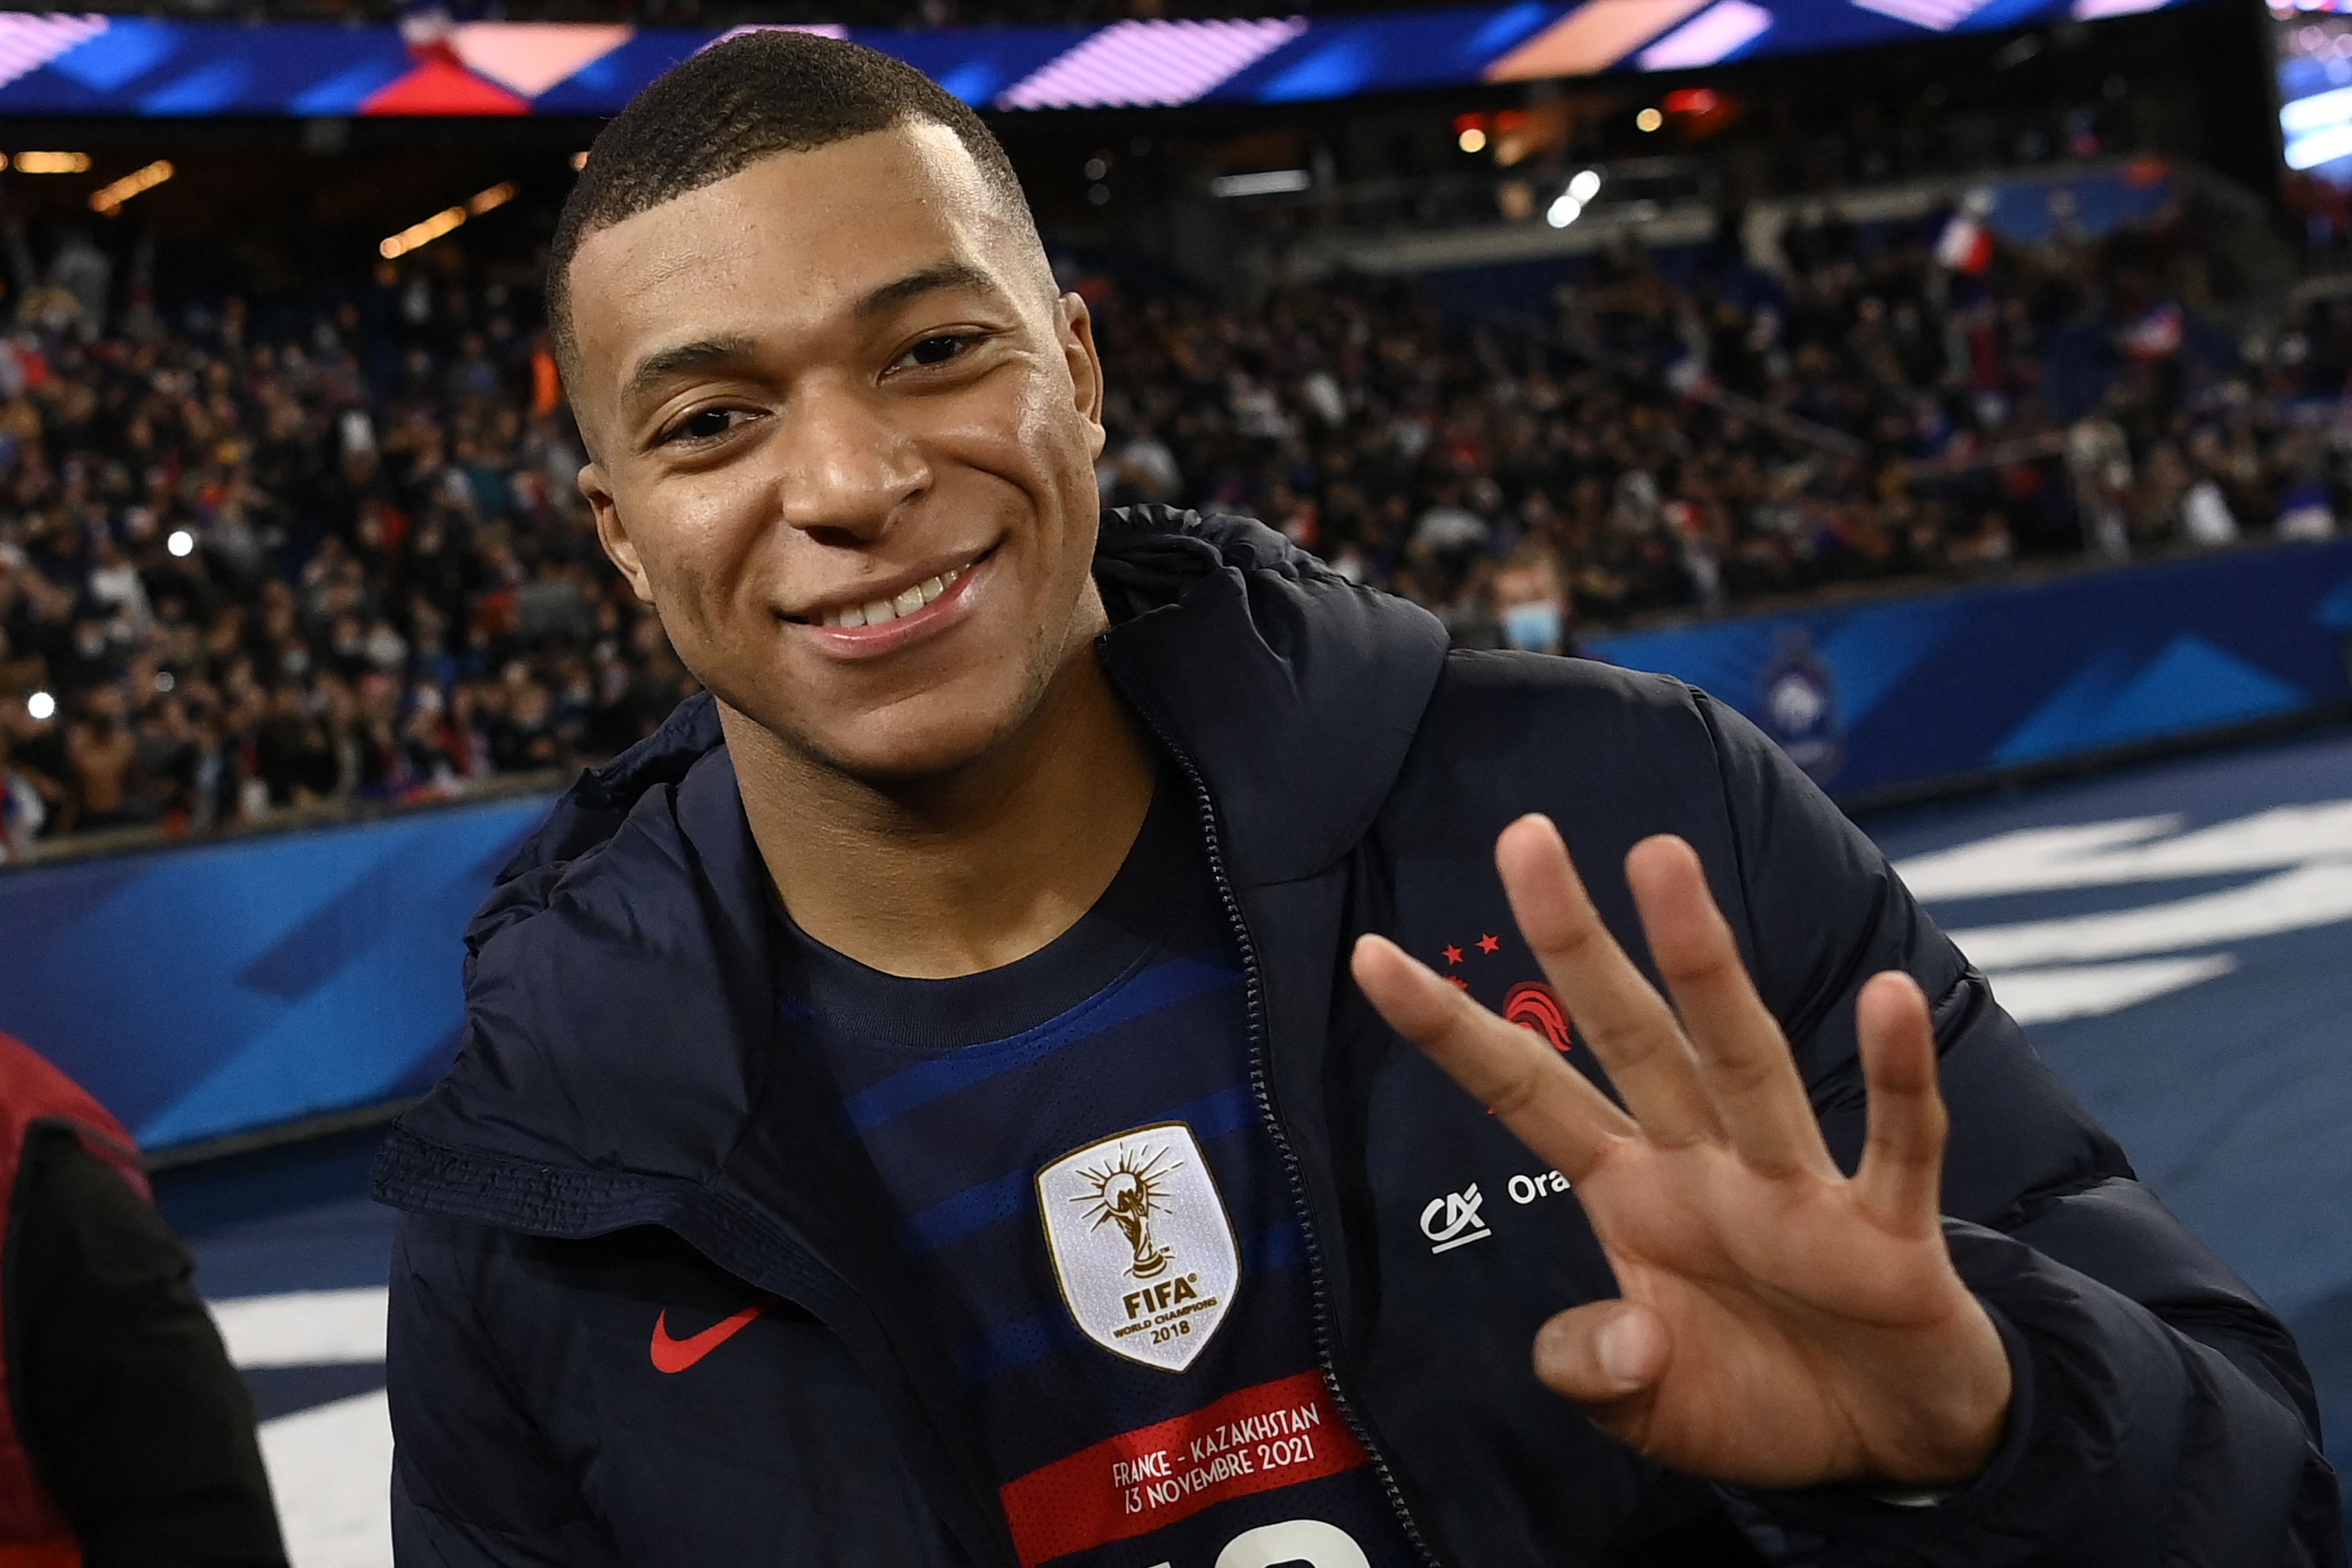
(890, 621)
(876, 611)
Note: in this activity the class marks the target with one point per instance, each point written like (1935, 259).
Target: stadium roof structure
(118, 66)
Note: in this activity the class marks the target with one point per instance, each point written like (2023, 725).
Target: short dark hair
(717, 113)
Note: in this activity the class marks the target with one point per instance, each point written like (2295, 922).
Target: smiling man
(974, 1088)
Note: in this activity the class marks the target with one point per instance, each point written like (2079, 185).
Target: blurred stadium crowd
(274, 552)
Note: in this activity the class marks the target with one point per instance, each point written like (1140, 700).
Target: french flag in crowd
(2155, 335)
(1966, 246)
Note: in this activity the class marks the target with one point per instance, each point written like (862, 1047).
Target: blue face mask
(1534, 627)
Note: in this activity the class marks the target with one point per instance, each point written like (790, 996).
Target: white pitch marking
(2094, 990)
(2132, 849)
(330, 1471)
(2308, 895)
(304, 1328)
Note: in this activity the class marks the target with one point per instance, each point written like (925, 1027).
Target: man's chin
(890, 752)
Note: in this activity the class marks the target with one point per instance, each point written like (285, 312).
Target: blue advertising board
(204, 990)
(1904, 692)
(84, 64)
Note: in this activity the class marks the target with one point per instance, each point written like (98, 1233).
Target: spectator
(101, 751)
(1531, 601)
(126, 1437)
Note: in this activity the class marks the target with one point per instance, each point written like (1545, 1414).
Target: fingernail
(1617, 1347)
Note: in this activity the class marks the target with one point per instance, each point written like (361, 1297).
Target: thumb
(1602, 1353)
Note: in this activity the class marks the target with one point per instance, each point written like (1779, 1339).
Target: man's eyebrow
(706, 352)
(928, 281)
(701, 354)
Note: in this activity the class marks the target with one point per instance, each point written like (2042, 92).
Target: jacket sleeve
(2161, 1413)
(474, 1484)
(135, 1420)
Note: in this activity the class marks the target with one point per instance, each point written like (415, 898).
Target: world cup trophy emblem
(1141, 1244)
(1128, 1195)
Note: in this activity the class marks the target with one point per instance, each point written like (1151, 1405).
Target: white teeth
(885, 610)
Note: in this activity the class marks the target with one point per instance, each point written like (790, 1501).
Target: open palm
(1781, 1324)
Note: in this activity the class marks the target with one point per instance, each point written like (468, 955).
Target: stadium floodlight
(180, 542)
(109, 199)
(1585, 185)
(1264, 182)
(41, 706)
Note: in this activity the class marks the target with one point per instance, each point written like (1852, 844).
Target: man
(1531, 600)
(126, 1438)
(917, 1110)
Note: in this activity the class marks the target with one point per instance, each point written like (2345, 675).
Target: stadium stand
(258, 555)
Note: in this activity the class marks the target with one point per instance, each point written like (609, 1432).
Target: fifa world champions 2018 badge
(1141, 1244)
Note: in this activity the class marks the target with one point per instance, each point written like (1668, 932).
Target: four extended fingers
(1724, 1068)
(1743, 1058)
(1629, 1026)
(1551, 1108)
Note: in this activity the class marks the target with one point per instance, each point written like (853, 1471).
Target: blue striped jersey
(1104, 1229)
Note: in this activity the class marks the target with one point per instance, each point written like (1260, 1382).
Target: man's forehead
(834, 221)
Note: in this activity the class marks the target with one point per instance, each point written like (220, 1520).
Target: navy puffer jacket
(630, 1136)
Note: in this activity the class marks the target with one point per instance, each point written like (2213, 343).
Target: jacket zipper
(1259, 1039)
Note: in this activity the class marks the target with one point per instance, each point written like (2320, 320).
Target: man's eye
(706, 424)
(941, 349)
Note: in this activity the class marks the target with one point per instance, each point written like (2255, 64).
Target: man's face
(1525, 584)
(844, 440)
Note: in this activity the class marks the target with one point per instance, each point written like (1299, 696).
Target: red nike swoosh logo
(677, 1355)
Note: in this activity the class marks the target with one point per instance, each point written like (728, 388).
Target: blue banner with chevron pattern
(205, 990)
(1907, 691)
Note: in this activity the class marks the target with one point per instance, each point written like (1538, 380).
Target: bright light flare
(1472, 140)
(1649, 119)
(181, 543)
(53, 163)
(109, 199)
(41, 706)
(446, 220)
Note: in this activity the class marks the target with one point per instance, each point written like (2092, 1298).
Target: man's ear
(1076, 329)
(610, 532)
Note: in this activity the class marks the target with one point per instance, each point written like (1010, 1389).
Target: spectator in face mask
(1531, 601)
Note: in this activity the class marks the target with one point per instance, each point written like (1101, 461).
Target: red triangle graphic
(441, 86)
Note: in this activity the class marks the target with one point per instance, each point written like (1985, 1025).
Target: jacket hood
(618, 1005)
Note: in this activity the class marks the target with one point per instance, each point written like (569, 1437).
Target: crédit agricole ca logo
(1140, 1243)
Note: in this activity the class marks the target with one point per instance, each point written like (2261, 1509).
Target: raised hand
(1781, 1325)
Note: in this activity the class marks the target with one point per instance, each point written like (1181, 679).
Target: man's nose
(848, 469)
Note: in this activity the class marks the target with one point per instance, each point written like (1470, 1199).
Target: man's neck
(961, 874)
